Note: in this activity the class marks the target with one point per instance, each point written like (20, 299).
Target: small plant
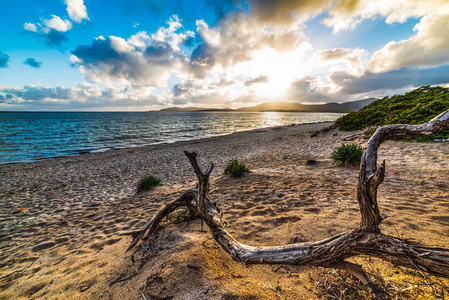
(348, 154)
(147, 183)
(235, 169)
(180, 216)
(369, 131)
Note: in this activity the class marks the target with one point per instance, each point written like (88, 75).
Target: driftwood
(332, 252)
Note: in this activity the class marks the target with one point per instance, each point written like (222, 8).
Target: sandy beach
(65, 222)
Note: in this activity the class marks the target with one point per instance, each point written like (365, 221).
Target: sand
(65, 222)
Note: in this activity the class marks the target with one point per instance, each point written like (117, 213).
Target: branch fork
(331, 252)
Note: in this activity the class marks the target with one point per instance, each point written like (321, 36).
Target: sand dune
(70, 240)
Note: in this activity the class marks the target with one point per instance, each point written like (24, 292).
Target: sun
(281, 68)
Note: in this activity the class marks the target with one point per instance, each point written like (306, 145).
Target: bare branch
(371, 177)
(184, 199)
(332, 252)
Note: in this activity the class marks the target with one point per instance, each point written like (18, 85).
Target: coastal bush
(348, 154)
(415, 107)
(147, 183)
(235, 169)
(369, 131)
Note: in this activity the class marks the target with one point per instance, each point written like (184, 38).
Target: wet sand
(70, 240)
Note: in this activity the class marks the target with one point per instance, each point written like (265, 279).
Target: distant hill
(288, 106)
(327, 107)
(195, 109)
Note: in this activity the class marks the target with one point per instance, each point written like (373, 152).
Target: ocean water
(30, 136)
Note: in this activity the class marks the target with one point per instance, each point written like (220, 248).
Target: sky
(139, 55)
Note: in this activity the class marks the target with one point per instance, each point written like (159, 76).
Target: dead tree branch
(332, 252)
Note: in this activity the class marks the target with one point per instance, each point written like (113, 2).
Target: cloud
(309, 90)
(52, 31)
(428, 47)
(4, 59)
(346, 14)
(235, 39)
(33, 63)
(30, 27)
(55, 23)
(259, 79)
(141, 59)
(82, 96)
(286, 11)
(350, 60)
(341, 86)
(403, 78)
(76, 10)
(55, 38)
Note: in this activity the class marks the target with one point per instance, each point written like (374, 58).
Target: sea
(32, 136)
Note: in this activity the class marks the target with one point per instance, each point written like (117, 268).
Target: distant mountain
(327, 107)
(289, 106)
(195, 109)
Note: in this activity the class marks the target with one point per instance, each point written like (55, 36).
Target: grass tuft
(147, 183)
(235, 169)
(348, 154)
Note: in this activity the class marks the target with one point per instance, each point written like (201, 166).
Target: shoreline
(70, 241)
(164, 143)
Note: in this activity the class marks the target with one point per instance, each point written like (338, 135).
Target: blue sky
(147, 54)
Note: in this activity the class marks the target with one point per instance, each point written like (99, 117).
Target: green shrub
(369, 131)
(147, 183)
(415, 107)
(348, 154)
(236, 169)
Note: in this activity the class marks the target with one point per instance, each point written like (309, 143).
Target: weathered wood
(371, 177)
(184, 200)
(331, 252)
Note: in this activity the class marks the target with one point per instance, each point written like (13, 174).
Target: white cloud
(56, 23)
(352, 61)
(30, 27)
(82, 96)
(238, 39)
(428, 47)
(141, 59)
(346, 14)
(76, 10)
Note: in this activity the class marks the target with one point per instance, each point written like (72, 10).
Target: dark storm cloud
(33, 63)
(4, 59)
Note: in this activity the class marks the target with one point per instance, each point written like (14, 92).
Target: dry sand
(70, 241)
